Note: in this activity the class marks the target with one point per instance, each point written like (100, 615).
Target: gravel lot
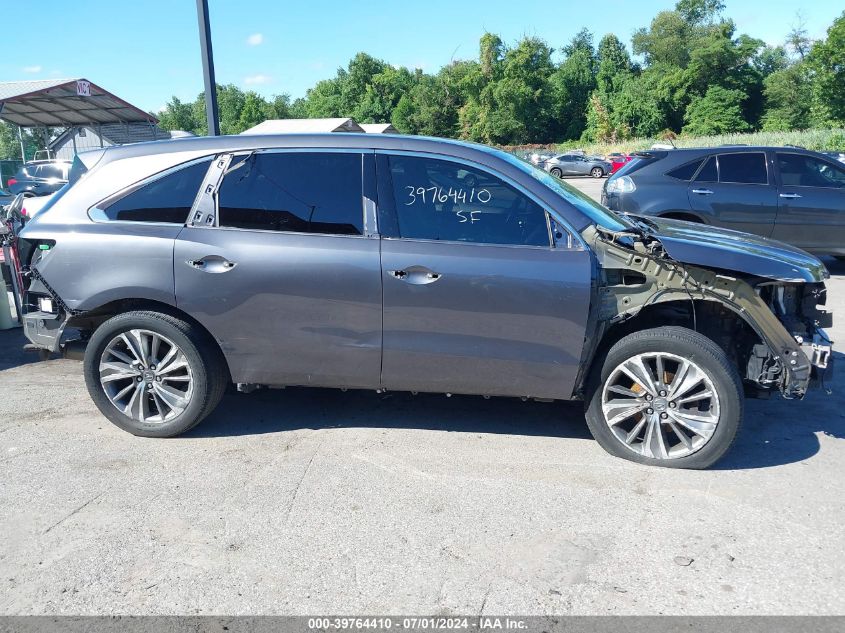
(309, 501)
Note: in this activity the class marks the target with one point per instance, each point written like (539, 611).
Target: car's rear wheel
(557, 173)
(152, 374)
(597, 172)
(666, 396)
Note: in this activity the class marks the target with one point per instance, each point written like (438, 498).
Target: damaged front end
(772, 328)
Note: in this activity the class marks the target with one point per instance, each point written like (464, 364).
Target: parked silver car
(400, 263)
(575, 165)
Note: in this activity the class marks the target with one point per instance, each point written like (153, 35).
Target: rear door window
(51, 171)
(168, 198)
(300, 192)
(445, 200)
(747, 168)
(798, 170)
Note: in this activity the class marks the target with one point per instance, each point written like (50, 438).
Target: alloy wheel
(660, 405)
(146, 376)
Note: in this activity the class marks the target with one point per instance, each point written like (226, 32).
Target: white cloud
(257, 80)
(32, 69)
(255, 39)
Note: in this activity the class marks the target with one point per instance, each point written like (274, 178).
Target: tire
(557, 173)
(188, 387)
(675, 346)
(597, 172)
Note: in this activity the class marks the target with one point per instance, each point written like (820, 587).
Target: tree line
(691, 73)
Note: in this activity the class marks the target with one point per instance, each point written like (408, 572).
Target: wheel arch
(91, 319)
(727, 326)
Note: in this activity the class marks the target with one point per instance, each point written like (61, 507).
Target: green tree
(614, 65)
(253, 112)
(177, 116)
(827, 61)
(719, 111)
(789, 95)
(571, 85)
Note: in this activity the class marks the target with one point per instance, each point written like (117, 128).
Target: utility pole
(208, 69)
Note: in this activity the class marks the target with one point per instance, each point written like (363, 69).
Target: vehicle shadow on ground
(272, 411)
(834, 266)
(778, 431)
(774, 432)
(12, 353)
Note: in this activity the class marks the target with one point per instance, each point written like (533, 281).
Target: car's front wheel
(557, 173)
(666, 396)
(152, 374)
(597, 172)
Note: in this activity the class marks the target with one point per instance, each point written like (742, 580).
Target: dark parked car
(786, 193)
(40, 177)
(575, 165)
(409, 264)
(6, 197)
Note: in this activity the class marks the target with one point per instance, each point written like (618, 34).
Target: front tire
(152, 374)
(665, 397)
(557, 173)
(597, 172)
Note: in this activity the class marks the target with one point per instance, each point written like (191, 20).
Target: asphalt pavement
(305, 501)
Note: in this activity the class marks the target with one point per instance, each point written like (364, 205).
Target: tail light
(11, 181)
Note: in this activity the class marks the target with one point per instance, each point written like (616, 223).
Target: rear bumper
(44, 329)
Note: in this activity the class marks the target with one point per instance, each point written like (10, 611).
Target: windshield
(581, 201)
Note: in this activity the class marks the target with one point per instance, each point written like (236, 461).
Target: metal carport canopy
(64, 103)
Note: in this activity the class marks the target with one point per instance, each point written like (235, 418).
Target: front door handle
(417, 275)
(790, 196)
(212, 264)
(703, 192)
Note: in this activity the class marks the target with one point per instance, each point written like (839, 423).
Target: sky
(149, 51)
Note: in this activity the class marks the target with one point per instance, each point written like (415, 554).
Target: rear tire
(148, 400)
(659, 413)
(597, 172)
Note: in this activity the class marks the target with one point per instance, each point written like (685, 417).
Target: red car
(617, 160)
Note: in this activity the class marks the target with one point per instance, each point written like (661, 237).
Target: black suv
(40, 177)
(786, 193)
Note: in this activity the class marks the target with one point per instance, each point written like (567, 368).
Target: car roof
(340, 140)
(730, 148)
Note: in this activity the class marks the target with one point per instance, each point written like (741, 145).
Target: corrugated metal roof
(304, 126)
(379, 128)
(119, 133)
(10, 89)
(64, 103)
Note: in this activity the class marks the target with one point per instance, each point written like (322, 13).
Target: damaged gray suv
(398, 263)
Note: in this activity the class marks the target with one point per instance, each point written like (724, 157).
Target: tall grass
(818, 140)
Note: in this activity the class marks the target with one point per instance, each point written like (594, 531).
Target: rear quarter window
(168, 198)
(686, 171)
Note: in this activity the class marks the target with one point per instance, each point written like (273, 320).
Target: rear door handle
(703, 192)
(212, 264)
(417, 275)
(790, 196)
